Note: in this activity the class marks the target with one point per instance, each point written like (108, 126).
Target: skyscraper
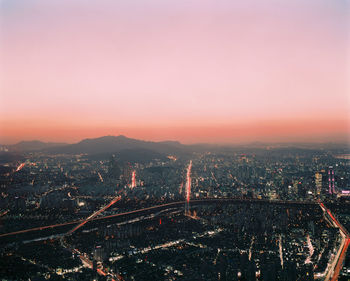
(318, 182)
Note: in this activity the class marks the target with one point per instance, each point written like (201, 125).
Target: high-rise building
(318, 183)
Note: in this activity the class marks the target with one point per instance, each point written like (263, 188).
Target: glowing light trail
(311, 249)
(214, 178)
(188, 189)
(188, 182)
(180, 188)
(133, 179)
(20, 167)
(341, 260)
(336, 265)
(280, 249)
(101, 178)
(4, 213)
(251, 248)
(94, 215)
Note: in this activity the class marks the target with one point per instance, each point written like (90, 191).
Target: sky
(217, 71)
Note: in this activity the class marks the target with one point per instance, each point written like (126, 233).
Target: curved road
(337, 264)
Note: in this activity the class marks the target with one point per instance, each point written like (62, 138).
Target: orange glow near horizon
(269, 131)
(187, 70)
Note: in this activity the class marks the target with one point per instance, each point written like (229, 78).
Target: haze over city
(192, 71)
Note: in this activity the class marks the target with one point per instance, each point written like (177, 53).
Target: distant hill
(35, 145)
(113, 144)
(140, 149)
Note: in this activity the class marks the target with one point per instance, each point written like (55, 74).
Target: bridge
(62, 228)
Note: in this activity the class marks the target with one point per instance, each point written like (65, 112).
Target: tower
(331, 183)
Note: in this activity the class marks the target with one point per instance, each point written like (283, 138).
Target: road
(336, 265)
(91, 217)
(177, 203)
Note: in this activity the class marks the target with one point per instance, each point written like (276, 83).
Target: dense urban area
(115, 208)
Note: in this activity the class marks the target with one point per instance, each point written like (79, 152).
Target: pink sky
(194, 71)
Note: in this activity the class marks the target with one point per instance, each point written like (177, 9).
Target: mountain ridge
(113, 144)
(33, 145)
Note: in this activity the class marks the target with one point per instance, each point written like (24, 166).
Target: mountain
(113, 144)
(34, 145)
(149, 149)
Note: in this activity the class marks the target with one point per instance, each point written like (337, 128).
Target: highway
(20, 167)
(337, 263)
(116, 199)
(177, 203)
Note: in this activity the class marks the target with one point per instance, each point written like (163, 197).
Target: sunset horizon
(306, 132)
(218, 73)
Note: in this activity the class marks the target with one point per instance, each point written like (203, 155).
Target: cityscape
(187, 212)
(195, 140)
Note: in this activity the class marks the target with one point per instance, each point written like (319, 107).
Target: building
(318, 183)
